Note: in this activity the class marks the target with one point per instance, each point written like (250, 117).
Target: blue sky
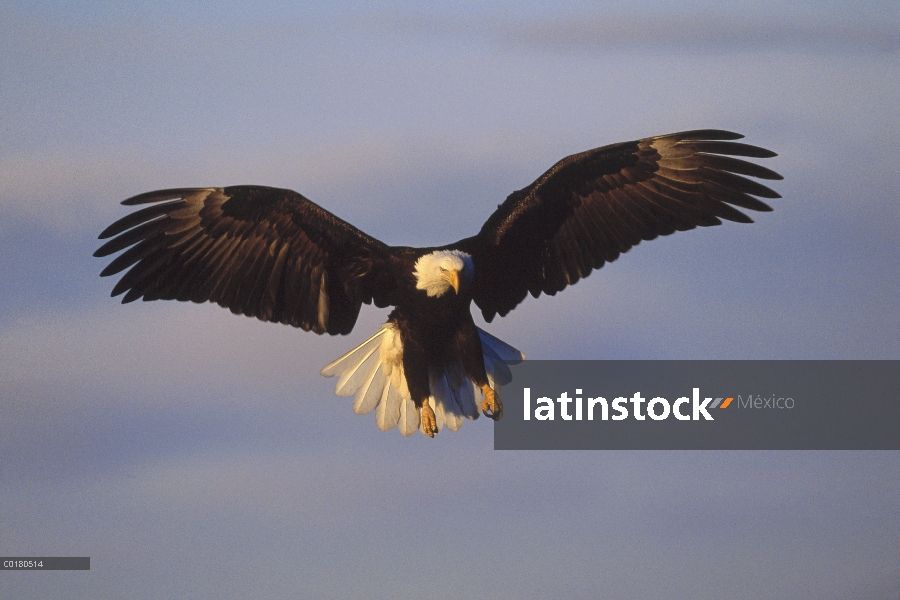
(192, 453)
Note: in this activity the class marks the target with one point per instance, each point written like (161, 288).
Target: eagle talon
(429, 422)
(491, 405)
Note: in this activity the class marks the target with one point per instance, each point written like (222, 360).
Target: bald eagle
(272, 254)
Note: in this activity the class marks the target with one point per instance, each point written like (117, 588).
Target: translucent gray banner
(45, 563)
(701, 405)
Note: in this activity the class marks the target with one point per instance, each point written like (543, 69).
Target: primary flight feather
(272, 254)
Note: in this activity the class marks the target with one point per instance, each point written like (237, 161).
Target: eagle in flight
(272, 254)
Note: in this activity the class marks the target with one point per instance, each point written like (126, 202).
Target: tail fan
(373, 374)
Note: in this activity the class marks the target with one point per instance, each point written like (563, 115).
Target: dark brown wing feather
(263, 252)
(591, 207)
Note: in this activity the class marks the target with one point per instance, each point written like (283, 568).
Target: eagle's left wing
(591, 207)
(263, 252)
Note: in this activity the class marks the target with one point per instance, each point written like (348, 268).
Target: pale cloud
(74, 192)
(160, 346)
(65, 191)
(680, 29)
(706, 33)
(380, 512)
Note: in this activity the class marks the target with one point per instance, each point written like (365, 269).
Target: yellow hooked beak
(452, 277)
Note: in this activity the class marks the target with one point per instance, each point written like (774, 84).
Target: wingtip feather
(160, 195)
(705, 134)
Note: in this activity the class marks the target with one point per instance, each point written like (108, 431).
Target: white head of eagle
(441, 270)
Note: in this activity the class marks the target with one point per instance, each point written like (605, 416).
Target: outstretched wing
(263, 252)
(591, 207)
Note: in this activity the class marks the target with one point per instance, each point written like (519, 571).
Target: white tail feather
(503, 350)
(409, 417)
(443, 397)
(369, 394)
(373, 373)
(342, 364)
(387, 415)
(497, 354)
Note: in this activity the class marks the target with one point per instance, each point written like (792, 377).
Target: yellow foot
(429, 421)
(491, 403)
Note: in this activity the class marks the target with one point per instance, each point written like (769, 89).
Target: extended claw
(429, 421)
(491, 405)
